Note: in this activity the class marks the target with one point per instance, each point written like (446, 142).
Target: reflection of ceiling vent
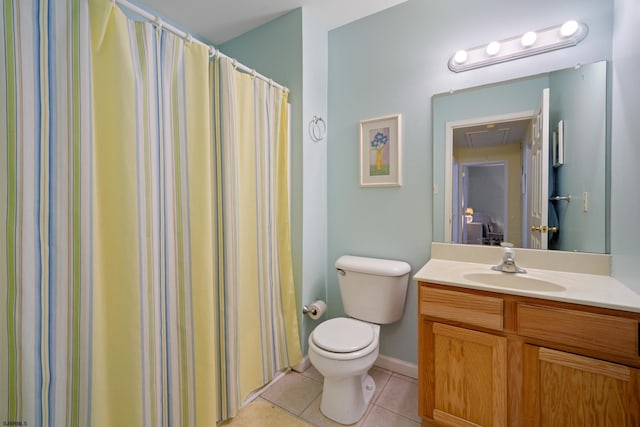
(487, 138)
(491, 134)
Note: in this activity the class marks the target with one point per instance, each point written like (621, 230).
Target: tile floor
(395, 402)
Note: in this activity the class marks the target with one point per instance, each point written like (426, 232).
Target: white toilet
(344, 349)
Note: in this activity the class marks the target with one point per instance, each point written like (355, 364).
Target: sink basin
(514, 281)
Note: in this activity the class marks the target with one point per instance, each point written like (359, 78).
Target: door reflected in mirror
(481, 214)
(495, 156)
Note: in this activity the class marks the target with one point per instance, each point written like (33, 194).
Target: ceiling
(217, 21)
(487, 135)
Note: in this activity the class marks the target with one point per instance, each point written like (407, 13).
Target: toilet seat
(343, 335)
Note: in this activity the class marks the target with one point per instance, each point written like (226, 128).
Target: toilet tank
(373, 289)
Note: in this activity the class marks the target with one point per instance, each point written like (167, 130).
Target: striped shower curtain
(46, 214)
(107, 302)
(256, 292)
(129, 238)
(154, 347)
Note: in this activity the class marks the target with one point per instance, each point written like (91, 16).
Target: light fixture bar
(530, 43)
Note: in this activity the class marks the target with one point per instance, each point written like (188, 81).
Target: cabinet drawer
(471, 309)
(600, 332)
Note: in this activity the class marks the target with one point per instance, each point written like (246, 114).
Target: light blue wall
(625, 197)
(394, 62)
(314, 195)
(579, 98)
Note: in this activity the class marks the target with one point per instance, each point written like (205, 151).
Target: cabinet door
(564, 389)
(469, 377)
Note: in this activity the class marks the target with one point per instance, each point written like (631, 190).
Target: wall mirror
(525, 161)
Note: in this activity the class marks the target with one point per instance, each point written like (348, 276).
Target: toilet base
(345, 400)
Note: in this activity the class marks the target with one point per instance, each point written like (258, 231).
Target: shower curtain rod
(157, 20)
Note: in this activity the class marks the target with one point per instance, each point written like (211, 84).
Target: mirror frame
(447, 107)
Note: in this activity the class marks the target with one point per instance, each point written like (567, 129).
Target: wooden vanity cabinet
(565, 389)
(469, 376)
(491, 359)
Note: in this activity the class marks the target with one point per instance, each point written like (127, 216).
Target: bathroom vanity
(555, 346)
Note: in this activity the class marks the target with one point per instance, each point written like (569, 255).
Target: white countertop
(589, 289)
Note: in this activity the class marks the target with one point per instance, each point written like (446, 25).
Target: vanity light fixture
(569, 28)
(460, 57)
(530, 43)
(529, 38)
(493, 48)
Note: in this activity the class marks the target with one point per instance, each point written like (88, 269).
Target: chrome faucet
(508, 260)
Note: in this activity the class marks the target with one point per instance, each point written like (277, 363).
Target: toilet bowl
(343, 350)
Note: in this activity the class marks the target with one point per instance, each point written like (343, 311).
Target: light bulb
(569, 28)
(493, 48)
(528, 39)
(460, 57)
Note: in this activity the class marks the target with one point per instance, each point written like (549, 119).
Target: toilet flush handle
(341, 271)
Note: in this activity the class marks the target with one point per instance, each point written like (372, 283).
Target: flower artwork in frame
(380, 152)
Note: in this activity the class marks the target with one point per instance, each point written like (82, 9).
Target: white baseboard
(303, 365)
(397, 365)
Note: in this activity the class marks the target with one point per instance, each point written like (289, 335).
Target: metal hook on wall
(317, 129)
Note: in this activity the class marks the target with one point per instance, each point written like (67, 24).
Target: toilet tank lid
(377, 266)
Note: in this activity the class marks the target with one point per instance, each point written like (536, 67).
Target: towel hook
(317, 129)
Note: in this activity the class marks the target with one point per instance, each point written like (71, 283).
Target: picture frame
(381, 151)
(557, 149)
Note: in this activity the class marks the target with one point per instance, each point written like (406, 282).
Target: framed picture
(380, 152)
(557, 148)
